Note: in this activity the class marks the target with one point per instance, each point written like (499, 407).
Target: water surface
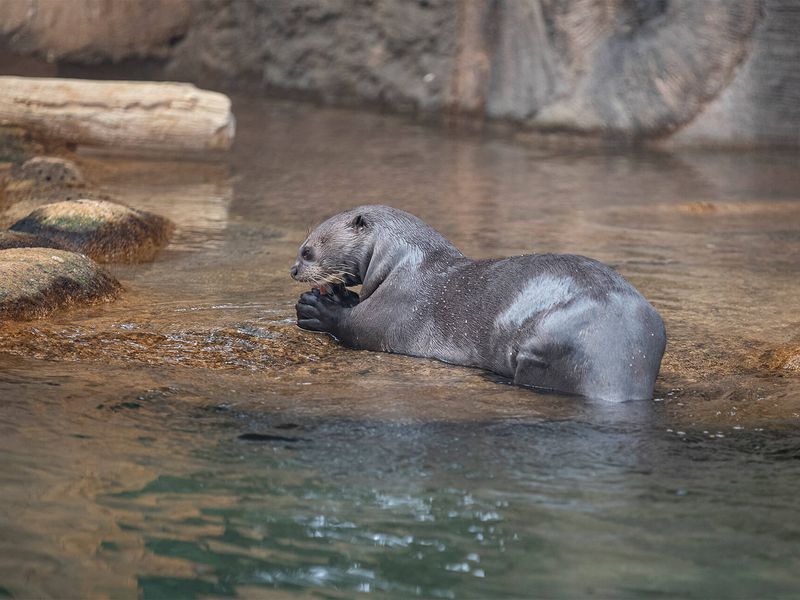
(188, 441)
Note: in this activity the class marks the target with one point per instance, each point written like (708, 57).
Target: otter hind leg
(609, 363)
(545, 368)
(593, 371)
(609, 352)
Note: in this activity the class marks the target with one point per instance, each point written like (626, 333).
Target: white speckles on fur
(558, 322)
(541, 293)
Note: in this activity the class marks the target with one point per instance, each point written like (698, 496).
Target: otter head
(336, 252)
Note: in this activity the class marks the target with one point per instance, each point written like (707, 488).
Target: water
(188, 441)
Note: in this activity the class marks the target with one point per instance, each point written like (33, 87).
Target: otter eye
(307, 253)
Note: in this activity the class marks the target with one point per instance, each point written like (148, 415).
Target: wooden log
(127, 114)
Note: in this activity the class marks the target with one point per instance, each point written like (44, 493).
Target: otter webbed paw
(341, 295)
(322, 312)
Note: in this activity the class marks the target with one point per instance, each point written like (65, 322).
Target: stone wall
(93, 31)
(686, 71)
(398, 53)
(762, 102)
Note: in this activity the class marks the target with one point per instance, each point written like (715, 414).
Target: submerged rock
(104, 231)
(49, 170)
(44, 179)
(18, 239)
(276, 348)
(36, 281)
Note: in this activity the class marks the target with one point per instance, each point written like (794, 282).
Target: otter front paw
(340, 295)
(317, 312)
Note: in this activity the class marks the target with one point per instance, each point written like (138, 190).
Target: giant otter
(554, 322)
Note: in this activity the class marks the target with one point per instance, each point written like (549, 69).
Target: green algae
(76, 223)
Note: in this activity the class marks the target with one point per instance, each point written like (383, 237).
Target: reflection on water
(189, 441)
(170, 488)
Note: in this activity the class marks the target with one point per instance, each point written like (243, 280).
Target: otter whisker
(341, 272)
(338, 277)
(342, 268)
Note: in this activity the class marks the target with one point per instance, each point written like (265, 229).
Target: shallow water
(188, 441)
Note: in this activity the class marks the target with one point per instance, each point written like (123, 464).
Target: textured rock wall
(641, 67)
(93, 30)
(718, 71)
(396, 53)
(762, 102)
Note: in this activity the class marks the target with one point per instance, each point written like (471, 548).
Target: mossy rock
(36, 281)
(18, 239)
(104, 231)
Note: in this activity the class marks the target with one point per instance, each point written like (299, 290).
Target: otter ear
(359, 223)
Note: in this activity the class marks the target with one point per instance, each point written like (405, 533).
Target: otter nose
(293, 271)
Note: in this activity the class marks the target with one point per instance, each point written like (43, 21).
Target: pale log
(124, 114)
